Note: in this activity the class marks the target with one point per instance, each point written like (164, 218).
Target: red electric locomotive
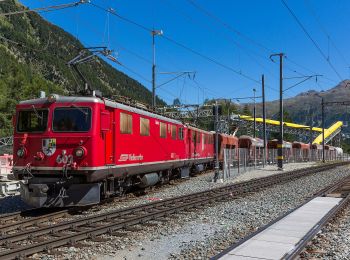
(74, 150)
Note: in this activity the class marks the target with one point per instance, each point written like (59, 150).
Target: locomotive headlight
(21, 152)
(80, 152)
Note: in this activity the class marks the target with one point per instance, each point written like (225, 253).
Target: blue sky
(249, 32)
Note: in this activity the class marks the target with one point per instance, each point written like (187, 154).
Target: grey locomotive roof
(61, 99)
(114, 104)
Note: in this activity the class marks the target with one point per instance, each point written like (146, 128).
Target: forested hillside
(33, 57)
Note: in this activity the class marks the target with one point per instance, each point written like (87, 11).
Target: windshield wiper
(36, 113)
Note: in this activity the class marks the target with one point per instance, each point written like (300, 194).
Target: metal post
(323, 144)
(154, 33)
(280, 140)
(311, 136)
(217, 166)
(264, 115)
(254, 114)
(153, 72)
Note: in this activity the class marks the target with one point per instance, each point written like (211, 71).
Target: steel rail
(21, 224)
(326, 219)
(321, 192)
(333, 188)
(89, 227)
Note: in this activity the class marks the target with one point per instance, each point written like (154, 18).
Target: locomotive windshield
(34, 120)
(71, 119)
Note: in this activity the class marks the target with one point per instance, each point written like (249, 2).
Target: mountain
(307, 105)
(33, 57)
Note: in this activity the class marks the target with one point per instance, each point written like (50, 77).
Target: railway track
(341, 190)
(28, 239)
(18, 221)
(37, 216)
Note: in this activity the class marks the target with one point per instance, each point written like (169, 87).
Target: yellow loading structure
(328, 133)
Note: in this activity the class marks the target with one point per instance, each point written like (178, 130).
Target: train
(8, 186)
(78, 150)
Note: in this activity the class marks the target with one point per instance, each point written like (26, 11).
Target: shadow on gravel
(12, 204)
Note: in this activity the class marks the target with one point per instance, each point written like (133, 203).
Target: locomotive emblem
(49, 146)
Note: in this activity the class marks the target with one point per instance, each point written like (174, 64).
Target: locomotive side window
(32, 120)
(144, 126)
(71, 119)
(173, 132)
(125, 123)
(162, 127)
(198, 137)
(181, 133)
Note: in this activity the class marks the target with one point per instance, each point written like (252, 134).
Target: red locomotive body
(72, 150)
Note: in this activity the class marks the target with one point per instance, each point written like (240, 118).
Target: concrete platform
(281, 237)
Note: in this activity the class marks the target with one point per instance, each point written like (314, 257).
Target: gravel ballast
(12, 204)
(199, 183)
(202, 233)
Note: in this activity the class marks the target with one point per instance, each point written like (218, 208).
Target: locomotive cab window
(71, 119)
(125, 123)
(144, 126)
(34, 120)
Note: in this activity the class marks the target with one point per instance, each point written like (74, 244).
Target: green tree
(246, 111)
(33, 57)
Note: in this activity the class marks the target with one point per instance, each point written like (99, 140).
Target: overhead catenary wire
(303, 67)
(310, 37)
(228, 26)
(212, 60)
(181, 45)
(140, 57)
(244, 36)
(64, 6)
(45, 9)
(95, 31)
(249, 53)
(296, 84)
(323, 29)
(136, 73)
